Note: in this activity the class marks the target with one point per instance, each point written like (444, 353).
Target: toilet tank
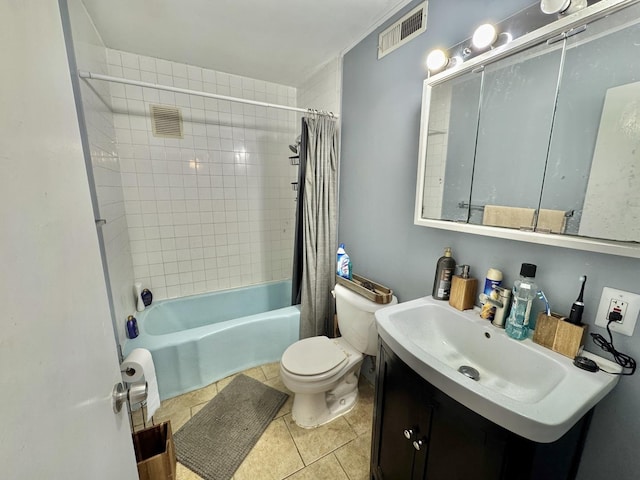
(356, 319)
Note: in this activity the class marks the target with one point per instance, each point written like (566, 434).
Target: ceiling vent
(405, 29)
(166, 121)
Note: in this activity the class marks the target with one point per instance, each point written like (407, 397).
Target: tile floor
(339, 450)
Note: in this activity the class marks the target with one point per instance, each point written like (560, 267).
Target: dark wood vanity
(419, 432)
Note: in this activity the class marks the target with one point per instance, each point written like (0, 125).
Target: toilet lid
(313, 356)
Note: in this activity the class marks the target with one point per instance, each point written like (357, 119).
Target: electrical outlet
(625, 303)
(618, 306)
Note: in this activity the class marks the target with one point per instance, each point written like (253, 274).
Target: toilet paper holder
(135, 393)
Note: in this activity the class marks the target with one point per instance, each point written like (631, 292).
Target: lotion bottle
(444, 272)
(139, 301)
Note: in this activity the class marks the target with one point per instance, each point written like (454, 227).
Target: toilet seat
(313, 356)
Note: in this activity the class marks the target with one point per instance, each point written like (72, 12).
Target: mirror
(595, 147)
(451, 134)
(540, 140)
(511, 145)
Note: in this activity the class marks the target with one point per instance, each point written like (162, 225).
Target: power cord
(622, 359)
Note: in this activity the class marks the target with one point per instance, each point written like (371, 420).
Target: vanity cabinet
(422, 433)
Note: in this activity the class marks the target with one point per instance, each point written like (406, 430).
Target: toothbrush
(577, 308)
(543, 297)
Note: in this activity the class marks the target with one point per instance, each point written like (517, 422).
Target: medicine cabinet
(539, 140)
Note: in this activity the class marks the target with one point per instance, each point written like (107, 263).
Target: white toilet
(322, 372)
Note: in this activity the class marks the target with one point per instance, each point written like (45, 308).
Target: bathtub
(197, 340)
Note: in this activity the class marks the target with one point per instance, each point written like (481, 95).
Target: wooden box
(155, 452)
(553, 332)
(367, 288)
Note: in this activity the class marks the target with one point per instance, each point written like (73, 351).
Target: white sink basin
(523, 387)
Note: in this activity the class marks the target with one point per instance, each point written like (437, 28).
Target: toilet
(323, 372)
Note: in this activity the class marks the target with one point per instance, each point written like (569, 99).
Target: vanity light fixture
(484, 36)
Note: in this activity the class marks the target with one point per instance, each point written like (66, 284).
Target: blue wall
(380, 132)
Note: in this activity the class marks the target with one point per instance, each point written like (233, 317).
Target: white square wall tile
(156, 270)
(147, 64)
(179, 70)
(131, 73)
(208, 75)
(222, 79)
(130, 60)
(194, 73)
(180, 82)
(164, 67)
(114, 57)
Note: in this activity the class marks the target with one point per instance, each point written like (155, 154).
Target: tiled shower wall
(322, 89)
(214, 209)
(91, 55)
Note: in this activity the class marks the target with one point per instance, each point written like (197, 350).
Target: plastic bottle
(132, 327)
(492, 280)
(147, 297)
(343, 268)
(524, 292)
(138, 291)
(444, 271)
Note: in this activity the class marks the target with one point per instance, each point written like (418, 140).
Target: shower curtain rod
(138, 83)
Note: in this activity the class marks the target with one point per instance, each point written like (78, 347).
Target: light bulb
(484, 36)
(554, 6)
(436, 60)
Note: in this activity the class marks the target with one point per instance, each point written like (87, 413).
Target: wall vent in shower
(405, 29)
(166, 121)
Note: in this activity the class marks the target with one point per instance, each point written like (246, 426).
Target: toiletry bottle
(463, 290)
(139, 301)
(491, 282)
(132, 327)
(444, 271)
(524, 291)
(147, 297)
(343, 267)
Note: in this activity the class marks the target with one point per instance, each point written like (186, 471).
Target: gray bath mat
(218, 438)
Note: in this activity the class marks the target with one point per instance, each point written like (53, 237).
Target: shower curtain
(314, 251)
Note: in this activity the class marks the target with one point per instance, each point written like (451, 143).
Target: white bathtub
(200, 339)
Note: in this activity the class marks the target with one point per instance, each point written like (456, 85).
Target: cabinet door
(463, 444)
(516, 115)
(399, 421)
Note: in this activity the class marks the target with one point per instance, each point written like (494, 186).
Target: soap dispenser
(463, 290)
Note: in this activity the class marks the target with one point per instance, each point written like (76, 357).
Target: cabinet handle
(418, 444)
(409, 433)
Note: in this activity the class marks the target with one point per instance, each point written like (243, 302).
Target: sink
(519, 385)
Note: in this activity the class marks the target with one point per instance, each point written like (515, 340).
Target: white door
(58, 361)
